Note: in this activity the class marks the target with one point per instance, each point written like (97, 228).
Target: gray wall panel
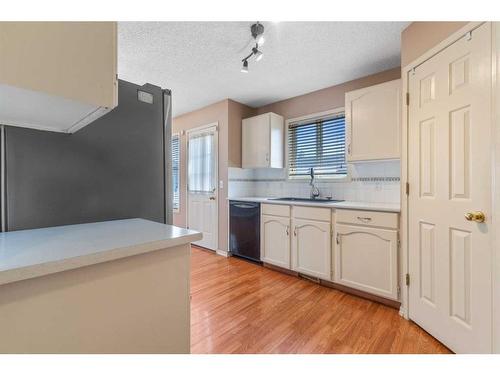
(111, 169)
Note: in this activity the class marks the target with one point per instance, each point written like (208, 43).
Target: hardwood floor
(240, 307)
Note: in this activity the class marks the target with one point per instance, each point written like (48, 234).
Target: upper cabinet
(262, 141)
(373, 122)
(57, 76)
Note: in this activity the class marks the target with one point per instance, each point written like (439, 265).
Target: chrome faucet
(314, 188)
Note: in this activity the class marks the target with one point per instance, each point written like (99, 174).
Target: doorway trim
(214, 125)
(495, 160)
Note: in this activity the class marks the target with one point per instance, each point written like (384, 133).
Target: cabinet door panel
(275, 240)
(366, 259)
(373, 122)
(255, 142)
(312, 248)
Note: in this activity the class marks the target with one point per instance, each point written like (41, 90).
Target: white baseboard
(223, 253)
(403, 312)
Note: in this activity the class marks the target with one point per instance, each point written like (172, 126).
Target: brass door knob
(476, 216)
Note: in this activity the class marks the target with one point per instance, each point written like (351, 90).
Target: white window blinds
(175, 170)
(202, 162)
(318, 144)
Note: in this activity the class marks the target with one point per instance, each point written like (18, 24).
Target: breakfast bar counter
(111, 287)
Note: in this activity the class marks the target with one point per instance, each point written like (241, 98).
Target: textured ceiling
(200, 61)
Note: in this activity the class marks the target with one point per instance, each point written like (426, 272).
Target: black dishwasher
(244, 229)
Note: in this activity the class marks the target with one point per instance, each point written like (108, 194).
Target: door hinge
(407, 281)
(407, 98)
(399, 244)
(407, 188)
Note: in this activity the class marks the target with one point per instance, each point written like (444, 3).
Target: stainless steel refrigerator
(117, 167)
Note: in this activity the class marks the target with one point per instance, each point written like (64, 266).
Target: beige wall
(237, 112)
(419, 37)
(328, 98)
(228, 114)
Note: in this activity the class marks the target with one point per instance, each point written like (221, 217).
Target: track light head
(244, 68)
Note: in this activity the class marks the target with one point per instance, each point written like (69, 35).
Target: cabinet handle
(338, 239)
(295, 231)
(287, 230)
(365, 219)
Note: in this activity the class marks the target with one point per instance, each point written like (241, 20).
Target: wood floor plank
(241, 307)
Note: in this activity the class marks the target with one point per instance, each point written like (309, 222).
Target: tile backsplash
(370, 182)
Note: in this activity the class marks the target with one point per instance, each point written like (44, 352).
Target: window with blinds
(175, 170)
(318, 144)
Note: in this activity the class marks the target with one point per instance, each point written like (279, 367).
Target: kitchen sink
(317, 200)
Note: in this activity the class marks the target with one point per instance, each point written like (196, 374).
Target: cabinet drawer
(371, 218)
(312, 213)
(275, 210)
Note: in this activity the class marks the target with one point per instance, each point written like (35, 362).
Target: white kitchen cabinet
(301, 243)
(262, 142)
(373, 122)
(311, 248)
(366, 258)
(362, 253)
(57, 76)
(275, 240)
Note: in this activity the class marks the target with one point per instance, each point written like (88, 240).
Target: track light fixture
(257, 31)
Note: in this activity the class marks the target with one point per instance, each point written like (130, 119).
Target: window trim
(178, 209)
(312, 117)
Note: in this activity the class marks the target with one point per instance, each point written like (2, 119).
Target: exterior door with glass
(202, 166)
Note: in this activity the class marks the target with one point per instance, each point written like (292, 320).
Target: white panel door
(367, 259)
(202, 185)
(275, 240)
(449, 168)
(311, 248)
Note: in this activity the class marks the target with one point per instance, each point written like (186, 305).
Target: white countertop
(26, 254)
(370, 206)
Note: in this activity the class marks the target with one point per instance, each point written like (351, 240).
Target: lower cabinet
(367, 259)
(275, 240)
(363, 255)
(311, 248)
